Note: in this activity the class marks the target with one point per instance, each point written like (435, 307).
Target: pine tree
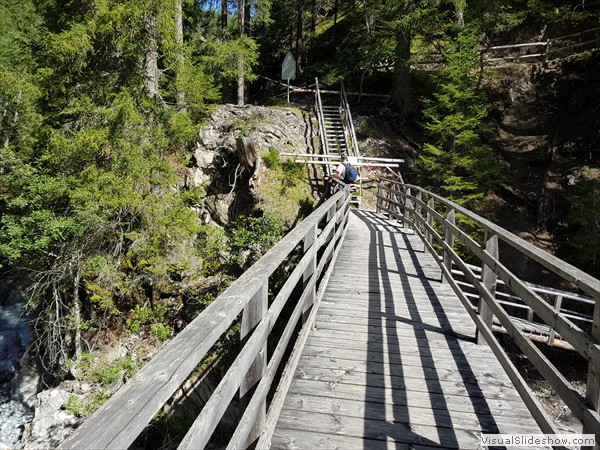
(93, 211)
(455, 159)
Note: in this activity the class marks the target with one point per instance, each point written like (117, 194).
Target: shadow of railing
(441, 233)
(385, 352)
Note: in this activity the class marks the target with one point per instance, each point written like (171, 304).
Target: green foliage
(229, 58)
(244, 127)
(105, 375)
(161, 331)
(365, 129)
(293, 172)
(456, 159)
(271, 158)
(251, 237)
(580, 229)
(213, 249)
(284, 188)
(85, 407)
(20, 117)
(20, 25)
(144, 315)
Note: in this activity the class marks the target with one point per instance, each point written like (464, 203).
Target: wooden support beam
(253, 313)
(592, 393)
(488, 279)
(448, 239)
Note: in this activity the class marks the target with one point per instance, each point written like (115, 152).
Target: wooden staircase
(334, 130)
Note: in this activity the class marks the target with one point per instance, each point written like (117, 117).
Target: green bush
(86, 406)
(271, 159)
(161, 331)
(251, 237)
(144, 315)
(293, 172)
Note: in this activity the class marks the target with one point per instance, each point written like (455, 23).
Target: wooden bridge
(391, 361)
(376, 339)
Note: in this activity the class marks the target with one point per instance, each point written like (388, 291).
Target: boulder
(51, 424)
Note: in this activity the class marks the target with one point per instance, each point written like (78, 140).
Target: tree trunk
(313, 16)
(2, 119)
(180, 94)
(300, 43)
(241, 78)
(401, 83)
(460, 6)
(224, 31)
(335, 12)
(151, 58)
(247, 11)
(77, 314)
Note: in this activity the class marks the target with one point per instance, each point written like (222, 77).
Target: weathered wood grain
(318, 440)
(357, 408)
(392, 357)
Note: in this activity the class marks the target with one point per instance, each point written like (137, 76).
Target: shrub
(293, 172)
(251, 237)
(271, 159)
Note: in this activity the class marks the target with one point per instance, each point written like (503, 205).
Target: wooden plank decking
(391, 361)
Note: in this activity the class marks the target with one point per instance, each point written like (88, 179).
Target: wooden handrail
(124, 416)
(420, 210)
(320, 120)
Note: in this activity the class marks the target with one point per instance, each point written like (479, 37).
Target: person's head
(344, 156)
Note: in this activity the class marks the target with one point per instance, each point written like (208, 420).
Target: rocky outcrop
(51, 424)
(215, 164)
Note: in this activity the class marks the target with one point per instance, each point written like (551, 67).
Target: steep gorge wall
(548, 133)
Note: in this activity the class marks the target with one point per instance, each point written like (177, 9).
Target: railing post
(557, 306)
(379, 195)
(529, 315)
(592, 393)
(418, 208)
(448, 239)
(253, 313)
(393, 208)
(309, 241)
(407, 205)
(428, 235)
(488, 279)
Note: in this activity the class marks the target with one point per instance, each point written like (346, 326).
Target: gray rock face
(215, 164)
(51, 424)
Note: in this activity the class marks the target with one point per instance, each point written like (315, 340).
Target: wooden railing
(351, 142)
(317, 240)
(571, 305)
(546, 50)
(321, 120)
(440, 224)
(348, 123)
(524, 52)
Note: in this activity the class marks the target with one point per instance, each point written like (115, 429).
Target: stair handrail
(349, 131)
(350, 136)
(321, 119)
(317, 239)
(420, 209)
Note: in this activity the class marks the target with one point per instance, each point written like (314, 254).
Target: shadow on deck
(391, 361)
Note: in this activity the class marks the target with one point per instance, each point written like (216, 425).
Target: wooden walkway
(391, 361)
